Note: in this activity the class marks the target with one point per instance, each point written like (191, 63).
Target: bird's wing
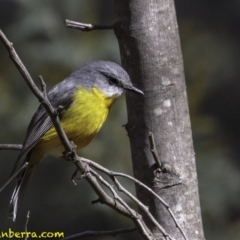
(60, 95)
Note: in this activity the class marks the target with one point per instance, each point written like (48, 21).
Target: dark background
(210, 38)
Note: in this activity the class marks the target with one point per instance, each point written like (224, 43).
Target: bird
(85, 98)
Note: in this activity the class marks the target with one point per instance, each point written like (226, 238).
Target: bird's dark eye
(112, 81)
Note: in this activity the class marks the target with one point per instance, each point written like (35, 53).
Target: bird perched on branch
(85, 97)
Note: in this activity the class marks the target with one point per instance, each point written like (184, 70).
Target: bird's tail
(18, 193)
(33, 158)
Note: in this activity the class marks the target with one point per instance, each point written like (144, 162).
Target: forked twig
(100, 233)
(87, 26)
(112, 174)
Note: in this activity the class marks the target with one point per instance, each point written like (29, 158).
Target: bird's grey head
(110, 78)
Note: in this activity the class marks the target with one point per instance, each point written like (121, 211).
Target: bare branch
(18, 63)
(157, 196)
(87, 26)
(134, 214)
(101, 233)
(133, 198)
(43, 86)
(26, 224)
(111, 174)
(142, 206)
(154, 151)
(109, 201)
(10, 147)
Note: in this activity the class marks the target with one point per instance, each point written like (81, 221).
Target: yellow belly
(81, 122)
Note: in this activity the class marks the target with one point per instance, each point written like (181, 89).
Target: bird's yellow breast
(81, 121)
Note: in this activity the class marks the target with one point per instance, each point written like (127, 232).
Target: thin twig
(26, 224)
(142, 206)
(74, 176)
(14, 176)
(10, 147)
(134, 199)
(154, 150)
(157, 196)
(43, 86)
(87, 26)
(135, 215)
(115, 195)
(40, 95)
(101, 233)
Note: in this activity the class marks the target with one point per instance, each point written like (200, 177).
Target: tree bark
(150, 50)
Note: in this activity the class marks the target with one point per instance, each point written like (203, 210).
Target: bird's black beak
(131, 88)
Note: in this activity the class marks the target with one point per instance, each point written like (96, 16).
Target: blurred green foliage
(210, 38)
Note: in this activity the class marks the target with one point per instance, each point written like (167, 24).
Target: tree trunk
(149, 43)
